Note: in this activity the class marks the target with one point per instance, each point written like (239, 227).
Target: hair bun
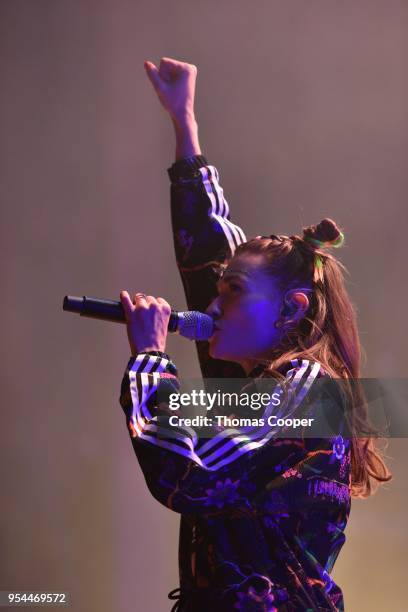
(325, 234)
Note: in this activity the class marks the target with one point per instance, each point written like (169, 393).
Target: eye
(229, 287)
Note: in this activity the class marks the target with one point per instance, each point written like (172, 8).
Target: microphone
(191, 324)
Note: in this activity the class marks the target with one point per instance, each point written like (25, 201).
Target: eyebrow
(227, 276)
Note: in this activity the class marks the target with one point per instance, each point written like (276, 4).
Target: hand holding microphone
(153, 324)
(147, 320)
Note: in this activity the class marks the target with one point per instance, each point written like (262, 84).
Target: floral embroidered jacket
(261, 523)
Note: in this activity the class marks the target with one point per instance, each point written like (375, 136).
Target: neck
(248, 365)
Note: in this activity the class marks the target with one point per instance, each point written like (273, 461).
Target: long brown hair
(327, 334)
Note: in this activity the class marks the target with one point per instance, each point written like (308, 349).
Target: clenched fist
(147, 320)
(174, 83)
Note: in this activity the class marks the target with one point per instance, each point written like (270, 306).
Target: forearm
(187, 143)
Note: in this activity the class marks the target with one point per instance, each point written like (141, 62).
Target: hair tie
(335, 243)
(318, 270)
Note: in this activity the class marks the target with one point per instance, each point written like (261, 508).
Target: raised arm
(204, 236)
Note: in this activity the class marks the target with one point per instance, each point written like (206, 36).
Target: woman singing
(262, 515)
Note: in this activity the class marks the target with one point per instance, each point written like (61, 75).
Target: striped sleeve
(143, 376)
(219, 210)
(233, 443)
(202, 227)
(173, 458)
(205, 238)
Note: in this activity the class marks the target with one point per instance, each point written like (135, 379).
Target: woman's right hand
(174, 83)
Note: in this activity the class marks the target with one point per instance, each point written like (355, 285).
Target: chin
(218, 354)
(214, 353)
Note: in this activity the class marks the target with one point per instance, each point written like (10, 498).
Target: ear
(296, 305)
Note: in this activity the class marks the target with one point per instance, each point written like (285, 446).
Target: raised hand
(174, 83)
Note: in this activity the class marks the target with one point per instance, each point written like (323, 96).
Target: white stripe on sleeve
(228, 445)
(219, 208)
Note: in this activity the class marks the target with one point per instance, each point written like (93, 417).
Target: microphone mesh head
(195, 325)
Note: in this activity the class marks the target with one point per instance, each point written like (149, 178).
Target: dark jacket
(261, 524)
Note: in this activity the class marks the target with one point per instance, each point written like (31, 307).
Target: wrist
(148, 349)
(187, 143)
(185, 121)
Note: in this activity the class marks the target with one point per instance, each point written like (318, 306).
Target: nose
(214, 309)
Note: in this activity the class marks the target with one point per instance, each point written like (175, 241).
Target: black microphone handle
(106, 310)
